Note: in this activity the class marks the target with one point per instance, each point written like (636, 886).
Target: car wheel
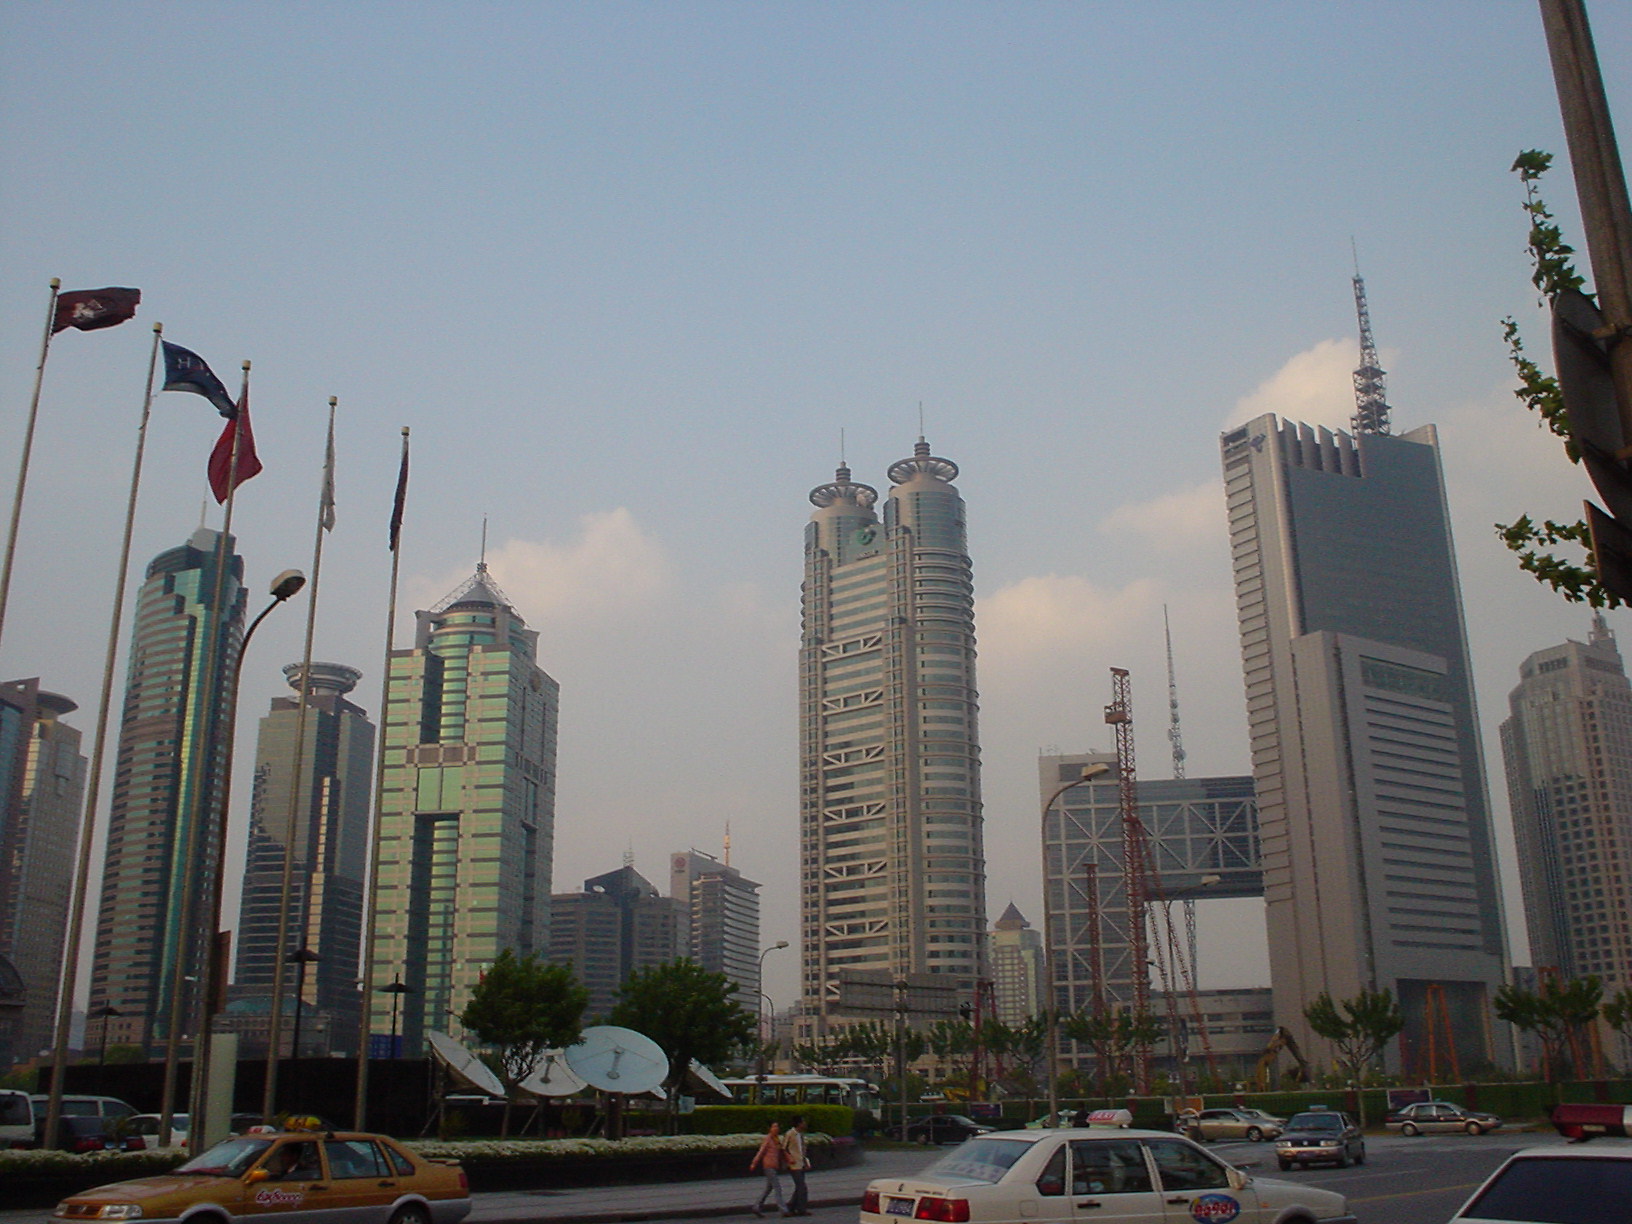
(1408, 1129)
(1254, 1135)
(1343, 1159)
(1475, 1129)
(1285, 1165)
(1360, 1156)
(411, 1215)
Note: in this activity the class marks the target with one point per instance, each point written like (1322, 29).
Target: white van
(16, 1119)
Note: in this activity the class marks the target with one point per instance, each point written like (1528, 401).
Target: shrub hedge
(833, 1120)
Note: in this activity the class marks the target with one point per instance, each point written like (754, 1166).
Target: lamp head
(781, 943)
(286, 584)
(1096, 770)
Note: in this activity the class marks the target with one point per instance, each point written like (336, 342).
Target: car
(16, 1119)
(1131, 1176)
(1062, 1117)
(1320, 1136)
(940, 1128)
(78, 1133)
(364, 1179)
(1431, 1117)
(1582, 1185)
(109, 1109)
(141, 1131)
(1246, 1124)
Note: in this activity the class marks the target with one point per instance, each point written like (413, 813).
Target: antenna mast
(1370, 388)
(1174, 737)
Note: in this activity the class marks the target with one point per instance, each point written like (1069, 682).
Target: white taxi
(1053, 1176)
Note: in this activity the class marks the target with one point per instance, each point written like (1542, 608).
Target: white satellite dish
(551, 1077)
(463, 1065)
(700, 1081)
(617, 1059)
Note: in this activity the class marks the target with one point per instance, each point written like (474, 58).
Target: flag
(222, 480)
(90, 309)
(327, 512)
(402, 493)
(185, 370)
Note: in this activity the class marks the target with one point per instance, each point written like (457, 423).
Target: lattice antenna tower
(1174, 736)
(1371, 408)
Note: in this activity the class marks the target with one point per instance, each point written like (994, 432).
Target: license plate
(900, 1207)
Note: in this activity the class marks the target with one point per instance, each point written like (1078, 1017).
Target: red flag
(222, 479)
(90, 309)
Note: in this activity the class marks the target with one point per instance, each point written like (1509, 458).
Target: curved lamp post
(1089, 773)
(396, 990)
(776, 947)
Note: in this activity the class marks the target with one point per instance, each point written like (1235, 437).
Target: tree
(1617, 1009)
(522, 1007)
(1113, 1035)
(1359, 1027)
(1555, 1014)
(690, 1012)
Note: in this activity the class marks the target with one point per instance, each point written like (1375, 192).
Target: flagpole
(28, 447)
(370, 914)
(191, 872)
(280, 956)
(93, 784)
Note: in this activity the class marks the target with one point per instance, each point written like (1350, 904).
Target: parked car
(1135, 1176)
(109, 1109)
(1320, 1136)
(141, 1131)
(78, 1133)
(1062, 1119)
(1246, 1124)
(365, 1179)
(1435, 1117)
(940, 1128)
(16, 1119)
(1584, 1185)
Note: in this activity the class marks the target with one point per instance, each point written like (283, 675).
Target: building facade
(722, 918)
(152, 926)
(42, 784)
(1567, 746)
(1019, 969)
(618, 925)
(1378, 858)
(330, 810)
(467, 807)
(891, 854)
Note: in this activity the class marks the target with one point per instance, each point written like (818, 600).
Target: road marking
(1384, 1198)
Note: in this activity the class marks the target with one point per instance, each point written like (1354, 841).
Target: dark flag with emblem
(90, 309)
(223, 479)
(185, 370)
(400, 501)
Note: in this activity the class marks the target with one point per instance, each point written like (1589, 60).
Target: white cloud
(1315, 386)
(1053, 615)
(1181, 521)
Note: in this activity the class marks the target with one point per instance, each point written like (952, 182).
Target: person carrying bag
(796, 1163)
(769, 1160)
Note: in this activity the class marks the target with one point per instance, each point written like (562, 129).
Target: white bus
(805, 1090)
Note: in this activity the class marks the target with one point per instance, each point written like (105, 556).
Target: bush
(748, 1119)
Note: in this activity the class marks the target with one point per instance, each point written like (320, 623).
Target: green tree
(690, 1012)
(1555, 1014)
(1359, 1027)
(1114, 1037)
(1617, 1009)
(521, 1008)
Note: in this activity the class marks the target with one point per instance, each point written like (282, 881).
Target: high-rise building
(892, 865)
(1019, 970)
(42, 782)
(1379, 868)
(467, 810)
(330, 863)
(1568, 750)
(722, 908)
(619, 924)
(153, 924)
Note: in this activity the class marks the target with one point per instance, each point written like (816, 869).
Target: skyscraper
(1568, 750)
(467, 811)
(1379, 869)
(619, 924)
(891, 857)
(1019, 972)
(331, 819)
(722, 919)
(153, 922)
(42, 780)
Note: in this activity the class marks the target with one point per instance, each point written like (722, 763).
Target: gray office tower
(722, 907)
(892, 864)
(1379, 869)
(330, 863)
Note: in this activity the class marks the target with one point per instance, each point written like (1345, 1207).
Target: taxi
(1054, 1176)
(297, 1177)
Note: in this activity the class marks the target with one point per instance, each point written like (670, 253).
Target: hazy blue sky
(628, 269)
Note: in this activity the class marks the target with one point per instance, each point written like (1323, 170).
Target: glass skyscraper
(467, 811)
(892, 862)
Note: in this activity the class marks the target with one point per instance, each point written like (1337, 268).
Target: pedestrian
(796, 1163)
(769, 1160)
(1080, 1118)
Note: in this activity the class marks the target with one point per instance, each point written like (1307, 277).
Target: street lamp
(104, 1013)
(214, 972)
(763, 1041)
(396, 990)
(1051, 949)
(302, 957)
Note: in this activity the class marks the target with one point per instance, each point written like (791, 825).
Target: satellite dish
(463, 1065)
(551, 1077)
(617, 1059)
(700, 1081)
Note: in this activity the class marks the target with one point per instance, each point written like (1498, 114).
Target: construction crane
(1175, 739)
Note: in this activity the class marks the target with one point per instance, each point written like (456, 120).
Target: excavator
(1265, 1074)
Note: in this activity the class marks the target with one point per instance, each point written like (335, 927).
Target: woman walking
(769, 1160)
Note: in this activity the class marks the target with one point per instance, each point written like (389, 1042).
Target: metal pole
(22, 463)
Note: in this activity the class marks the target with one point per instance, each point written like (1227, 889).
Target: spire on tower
(1173, 736)
(1370, 388)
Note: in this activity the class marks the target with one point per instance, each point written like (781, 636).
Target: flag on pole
(91, 309)
(328, 482)
(185, 370)
(222, 479)
(402, 493)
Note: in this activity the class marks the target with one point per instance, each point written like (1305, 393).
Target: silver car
(1440, 1117)
(1246, 1124)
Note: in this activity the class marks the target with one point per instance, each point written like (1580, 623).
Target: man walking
(796, 1162)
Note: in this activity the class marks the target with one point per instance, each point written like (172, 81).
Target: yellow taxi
(288, 1178)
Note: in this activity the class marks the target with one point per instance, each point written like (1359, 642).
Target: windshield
(1315, 1122)
(229, 1158)
(983, 1160)
(1556, 1190)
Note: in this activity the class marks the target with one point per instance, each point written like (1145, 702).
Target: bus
(805, 1090)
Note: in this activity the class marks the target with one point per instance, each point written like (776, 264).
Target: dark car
(1429, 1117)
(1320, 1136)
(79, 1133)
(940, 1128)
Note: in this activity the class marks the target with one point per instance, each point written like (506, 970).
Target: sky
(629, 272)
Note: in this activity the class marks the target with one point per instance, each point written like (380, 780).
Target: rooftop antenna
(629, 855)
(843, 461)
(1173, 736)
(1370, 389)
(481, 566)
(728, 843)
(920, 420)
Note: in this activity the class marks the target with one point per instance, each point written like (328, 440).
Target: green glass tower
(467, 807)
